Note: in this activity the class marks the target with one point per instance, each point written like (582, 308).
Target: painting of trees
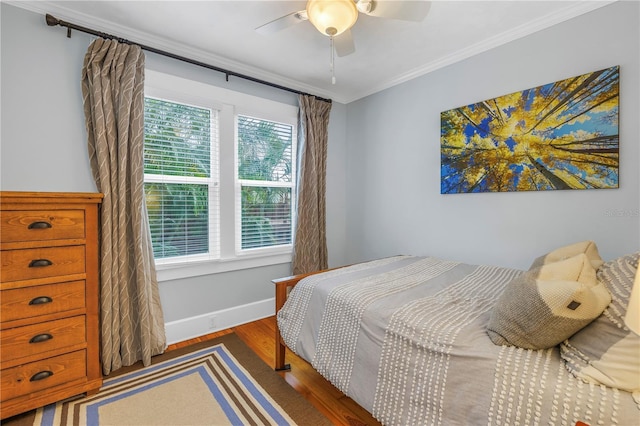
(562, 135)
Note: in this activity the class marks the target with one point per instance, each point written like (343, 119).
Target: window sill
(168, 272)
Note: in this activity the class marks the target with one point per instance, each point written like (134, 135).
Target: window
(180, 153)
(219, 177)
(265, 167)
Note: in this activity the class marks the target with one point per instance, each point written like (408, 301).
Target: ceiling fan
(334, 18)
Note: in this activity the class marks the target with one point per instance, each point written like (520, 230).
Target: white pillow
(589, 248)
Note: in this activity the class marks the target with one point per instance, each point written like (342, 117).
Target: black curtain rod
(52, 22)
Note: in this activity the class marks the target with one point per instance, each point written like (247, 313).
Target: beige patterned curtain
(113, 97)
(310, 243)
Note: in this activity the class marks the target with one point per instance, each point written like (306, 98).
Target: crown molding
(572, 10)
(140, 37)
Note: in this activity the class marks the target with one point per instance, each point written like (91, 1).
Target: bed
(407, 338)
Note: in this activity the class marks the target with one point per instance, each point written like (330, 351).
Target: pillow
(606, 352)
(545, 306)
(587, 247)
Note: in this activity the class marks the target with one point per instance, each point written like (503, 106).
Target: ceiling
(388, 51)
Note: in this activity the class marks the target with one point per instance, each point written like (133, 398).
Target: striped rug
(223, 383)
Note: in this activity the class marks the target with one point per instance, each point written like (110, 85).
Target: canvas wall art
(562, 135)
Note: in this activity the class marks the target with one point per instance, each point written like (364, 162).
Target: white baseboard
(189, 328)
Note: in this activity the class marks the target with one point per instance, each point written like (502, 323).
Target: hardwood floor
(260, 337)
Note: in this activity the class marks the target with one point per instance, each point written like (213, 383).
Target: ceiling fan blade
(283, 22)
(405, 10)
(343, 44)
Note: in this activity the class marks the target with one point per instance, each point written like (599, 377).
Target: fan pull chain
(332, 62)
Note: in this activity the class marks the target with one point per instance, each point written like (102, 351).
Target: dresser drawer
(39, 375)
(29, 302)
(41, 262)
(41, 225)
(39, 338)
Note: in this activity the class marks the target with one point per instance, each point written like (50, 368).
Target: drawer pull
(41, 338)
(41, 375)
(41, 300)
(40, 225)
(39, 263)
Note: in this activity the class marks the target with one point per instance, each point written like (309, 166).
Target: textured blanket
(406, 338)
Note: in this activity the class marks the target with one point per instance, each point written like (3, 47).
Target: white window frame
(229, 104)
(284, 248)
(212, 182)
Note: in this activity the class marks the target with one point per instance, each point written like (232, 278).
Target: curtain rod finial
(51, 21)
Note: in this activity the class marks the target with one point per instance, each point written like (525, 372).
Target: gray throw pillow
(546, 305)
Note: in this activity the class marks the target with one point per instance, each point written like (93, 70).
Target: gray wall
(43, 133)
(43, 146)
(394, 203)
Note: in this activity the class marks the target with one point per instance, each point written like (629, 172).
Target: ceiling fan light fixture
(332, 17)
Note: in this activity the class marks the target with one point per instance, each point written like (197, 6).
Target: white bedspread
(405, 337)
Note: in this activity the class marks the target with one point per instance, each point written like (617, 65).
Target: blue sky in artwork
(597, 123)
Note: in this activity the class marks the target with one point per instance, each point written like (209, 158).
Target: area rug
(220, 382)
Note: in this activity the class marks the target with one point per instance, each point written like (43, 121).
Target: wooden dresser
(49, 312)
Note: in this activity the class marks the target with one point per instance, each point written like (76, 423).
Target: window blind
(265, 172)
(180, 165)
